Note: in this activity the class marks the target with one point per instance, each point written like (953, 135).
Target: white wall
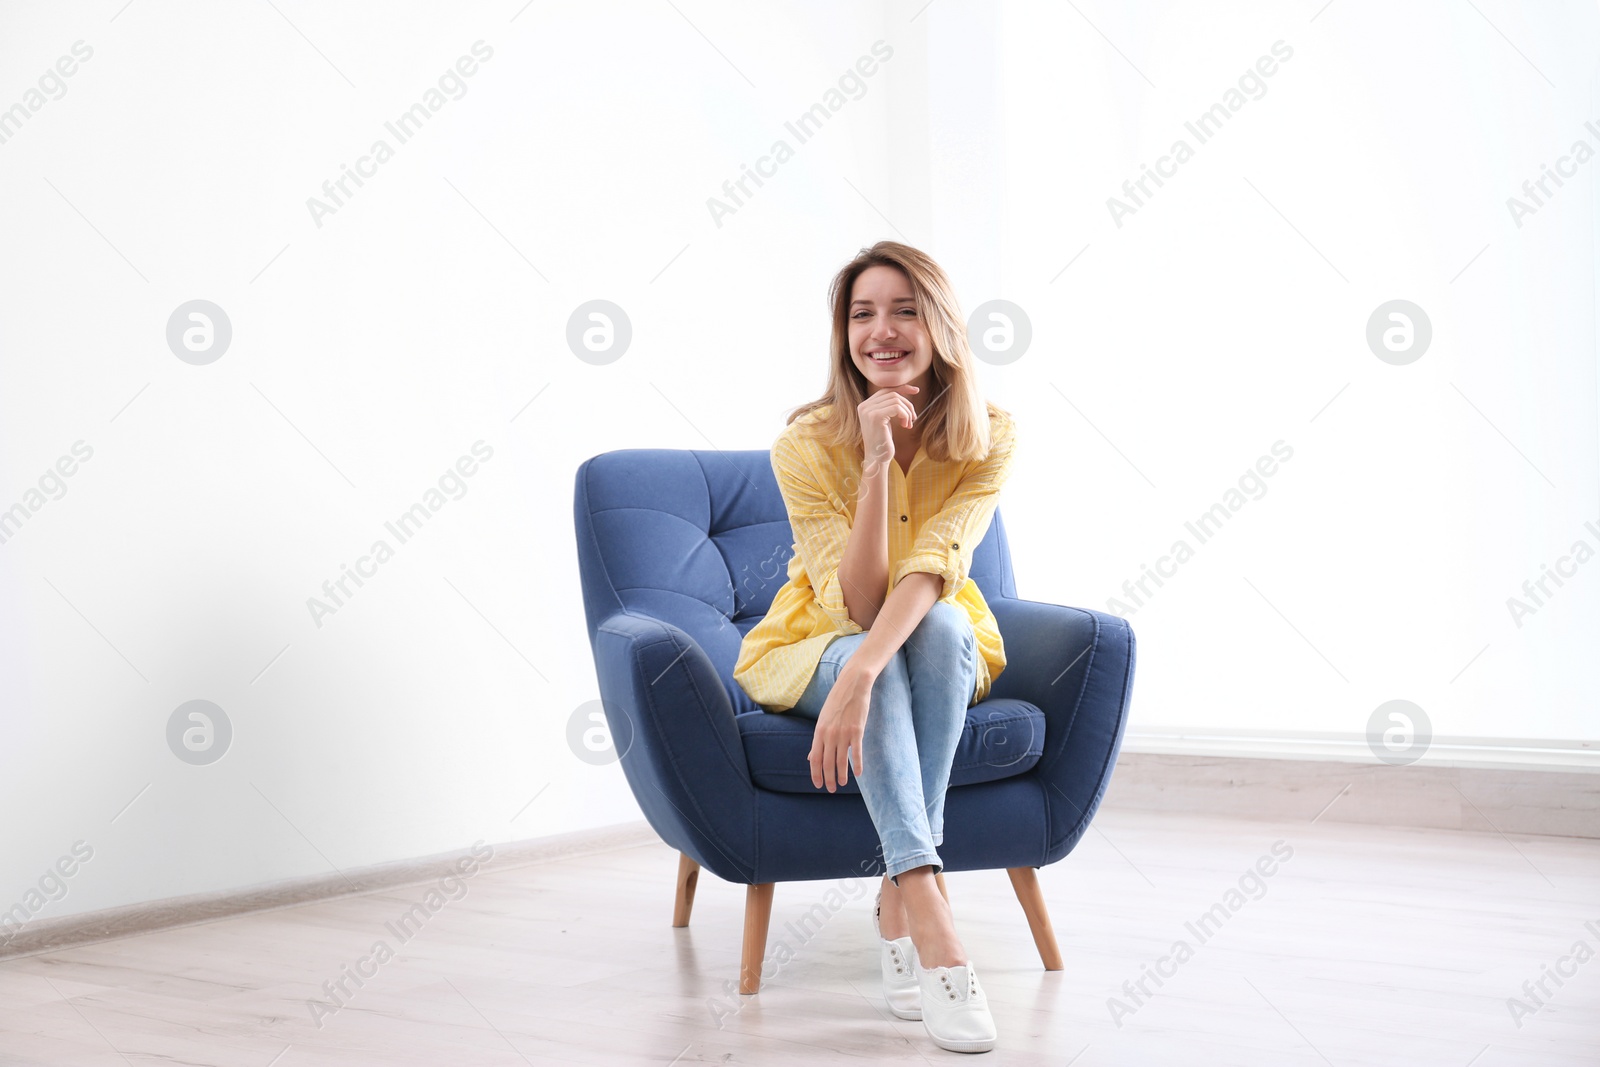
(371, 354)
(1230, 311)
(430, 313)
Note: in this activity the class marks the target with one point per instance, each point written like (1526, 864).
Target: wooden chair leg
(757, 916)
(1025, 880)
(688, 875)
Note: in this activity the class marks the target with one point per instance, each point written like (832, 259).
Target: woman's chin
(897, 375)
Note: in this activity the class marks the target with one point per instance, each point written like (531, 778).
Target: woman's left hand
(841, 724)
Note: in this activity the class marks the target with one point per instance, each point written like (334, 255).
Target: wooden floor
(1366, 946)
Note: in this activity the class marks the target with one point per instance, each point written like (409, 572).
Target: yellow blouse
(938, 513)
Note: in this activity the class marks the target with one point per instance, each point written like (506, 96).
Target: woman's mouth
(887, 358)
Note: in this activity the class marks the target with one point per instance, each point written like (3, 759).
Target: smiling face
(883, 320)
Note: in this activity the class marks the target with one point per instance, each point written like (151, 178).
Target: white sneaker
(955, 1011)
(898, 963)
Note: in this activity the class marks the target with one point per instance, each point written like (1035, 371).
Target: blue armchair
(680, 553)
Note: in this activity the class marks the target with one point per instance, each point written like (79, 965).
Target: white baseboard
(1499, 752)
(46, 935)
(1507, 798)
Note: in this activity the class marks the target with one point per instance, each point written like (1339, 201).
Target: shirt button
(902, 518)
(954, 545)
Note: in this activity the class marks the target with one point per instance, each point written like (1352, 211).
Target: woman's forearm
(864, 567)
(904, 608)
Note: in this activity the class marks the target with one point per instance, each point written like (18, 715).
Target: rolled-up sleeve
(821, 526)
(946, 540)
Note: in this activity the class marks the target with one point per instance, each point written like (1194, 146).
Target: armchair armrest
(1076, 665)
(672, 723)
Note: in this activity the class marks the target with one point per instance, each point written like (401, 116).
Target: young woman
(890, 481)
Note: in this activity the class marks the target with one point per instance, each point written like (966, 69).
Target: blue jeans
(915, 716)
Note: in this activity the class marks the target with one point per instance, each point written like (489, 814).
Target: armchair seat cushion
(1003, 737)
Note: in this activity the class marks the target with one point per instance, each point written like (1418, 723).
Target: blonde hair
(955, 421)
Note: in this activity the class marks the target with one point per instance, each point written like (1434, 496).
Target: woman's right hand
(876, 413)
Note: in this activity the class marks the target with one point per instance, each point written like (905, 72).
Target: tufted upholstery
(680, 553)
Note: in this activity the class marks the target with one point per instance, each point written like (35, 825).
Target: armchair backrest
(701, 539)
